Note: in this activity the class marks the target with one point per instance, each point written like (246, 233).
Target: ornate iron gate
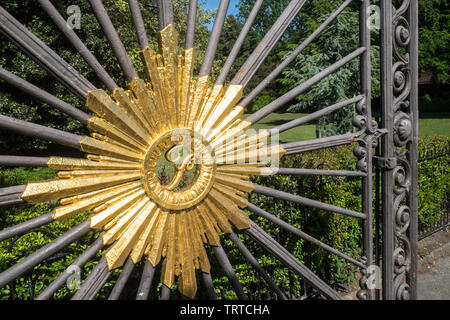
(170, 226)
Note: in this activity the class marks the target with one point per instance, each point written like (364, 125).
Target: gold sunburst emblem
(140, 216)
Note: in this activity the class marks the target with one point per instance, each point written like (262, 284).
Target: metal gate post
(399, 116)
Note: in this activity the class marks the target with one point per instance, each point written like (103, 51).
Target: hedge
(339, 231)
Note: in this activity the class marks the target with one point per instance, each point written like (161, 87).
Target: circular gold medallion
(177, 147)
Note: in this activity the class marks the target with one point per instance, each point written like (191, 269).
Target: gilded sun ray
(190, 124)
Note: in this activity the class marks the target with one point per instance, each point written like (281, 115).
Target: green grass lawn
(429, 124)
(434, 123)
(304, 132)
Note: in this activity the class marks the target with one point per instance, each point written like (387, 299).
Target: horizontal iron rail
(40, 132)
(319, 172)
(21, 161)
(12, 190)
(315, 144)
(305, 201)
(11, 195)
(26, 226)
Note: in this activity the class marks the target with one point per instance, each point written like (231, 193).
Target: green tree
(434, 38)
(15, 104)
(337, 41)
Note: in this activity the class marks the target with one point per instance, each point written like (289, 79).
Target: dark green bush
(434, 182)
(341, 232)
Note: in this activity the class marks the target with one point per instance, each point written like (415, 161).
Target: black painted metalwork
(395, 163)
(399, 31)
(43, 55)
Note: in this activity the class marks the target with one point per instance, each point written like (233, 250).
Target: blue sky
(214, 4)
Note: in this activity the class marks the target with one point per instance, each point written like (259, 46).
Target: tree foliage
(434, 38)
(15, 104)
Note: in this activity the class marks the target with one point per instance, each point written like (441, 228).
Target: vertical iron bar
(192, 21)
(146, 281)
(387, 150)
(165, 292)
(211, 49)
(238, 44)
(165, 13)
(413, 50)
(138, 23)
(378, 216)
(365, 84)
(122, 280)
(114, 40)
(78, 44)
(209, 285)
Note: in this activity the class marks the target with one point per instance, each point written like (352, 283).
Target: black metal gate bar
(254, 262)
(397, 159)
(364, 151)
(116, 44)
(146, 281)
(122, 280)
(399, 176)
(79, 263)
(43, 96)
(76, 42)
(413, 49)
(238, 44)
(138, 23)
(26, 226)
(22, 161)
(44, 56)
(274, 74)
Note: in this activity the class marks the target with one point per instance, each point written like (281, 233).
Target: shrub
(339, 231)
(434, 182)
